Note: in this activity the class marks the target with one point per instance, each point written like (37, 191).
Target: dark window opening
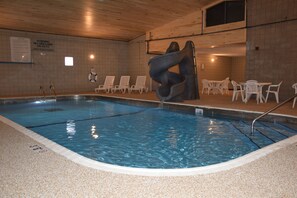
(225, 12)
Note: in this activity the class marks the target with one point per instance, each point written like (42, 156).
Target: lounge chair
(139, 85)
(108, 84)
(123, 85)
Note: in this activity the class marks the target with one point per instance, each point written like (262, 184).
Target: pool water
(142, 137)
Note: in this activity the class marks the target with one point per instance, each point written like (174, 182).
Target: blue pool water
(141, 136)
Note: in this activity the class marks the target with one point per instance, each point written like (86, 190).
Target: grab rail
(52, 88)
(43, 92)
(274, 108)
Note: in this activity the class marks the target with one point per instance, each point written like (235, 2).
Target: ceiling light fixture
(92, 56)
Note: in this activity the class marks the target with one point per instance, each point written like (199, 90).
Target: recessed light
(92, 56)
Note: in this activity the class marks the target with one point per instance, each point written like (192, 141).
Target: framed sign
(20, 49)
(43, 45)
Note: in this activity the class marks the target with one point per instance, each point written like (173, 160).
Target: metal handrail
(274, 108)
(52, 89)
(43, 92)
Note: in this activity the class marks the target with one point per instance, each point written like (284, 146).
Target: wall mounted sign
(20, 49)
(43, 45)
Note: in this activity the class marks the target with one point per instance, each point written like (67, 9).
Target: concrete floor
(26, 172)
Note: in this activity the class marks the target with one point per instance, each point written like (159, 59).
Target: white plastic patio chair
(206, 86)
(139, 85)
(237, 88)
(274, 89)
(294, 86)
(123, 84)
(252, 88)
(224, 86)
(108, 84)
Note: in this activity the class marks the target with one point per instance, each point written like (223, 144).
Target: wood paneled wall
(190, 27)
(185, 26)
(200, 41)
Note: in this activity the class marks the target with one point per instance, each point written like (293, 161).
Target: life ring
(92, 77)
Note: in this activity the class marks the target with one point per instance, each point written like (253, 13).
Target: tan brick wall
(271, 42)
(111, 58)
(238, 69)
(217, 70)
(138, 64)
(138, 60)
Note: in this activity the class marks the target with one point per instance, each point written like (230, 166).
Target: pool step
(288, 126)
(265, 133)
(258, 138)
(281, 128)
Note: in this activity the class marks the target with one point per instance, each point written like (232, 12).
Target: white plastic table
(215, 86)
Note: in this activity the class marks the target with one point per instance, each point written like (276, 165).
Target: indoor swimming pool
(142, 136)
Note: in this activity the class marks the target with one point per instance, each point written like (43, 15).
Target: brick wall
(238, 69)
(138, 64)
(111, 58)
(271, 42)
(138, 60)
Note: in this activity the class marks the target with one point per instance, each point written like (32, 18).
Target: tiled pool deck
(29, 169)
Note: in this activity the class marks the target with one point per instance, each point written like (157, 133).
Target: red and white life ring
(92, 76)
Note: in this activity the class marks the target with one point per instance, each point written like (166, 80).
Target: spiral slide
(176, 86)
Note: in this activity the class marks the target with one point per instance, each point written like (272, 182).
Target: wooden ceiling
(107, 19)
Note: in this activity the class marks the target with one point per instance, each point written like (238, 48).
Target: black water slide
(176, 86)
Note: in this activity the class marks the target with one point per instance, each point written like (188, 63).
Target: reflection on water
(93, 132)
(210, 128)
(172, 137)
(70, 128)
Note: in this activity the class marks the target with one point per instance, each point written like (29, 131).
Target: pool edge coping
(159, 102)
(193, 105)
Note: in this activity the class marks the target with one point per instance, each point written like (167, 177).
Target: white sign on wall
(20, 49)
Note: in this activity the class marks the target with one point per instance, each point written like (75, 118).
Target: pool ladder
(270, 110)
(42, 90)
(52, 89)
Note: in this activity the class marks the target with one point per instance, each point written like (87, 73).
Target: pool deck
(29, 169)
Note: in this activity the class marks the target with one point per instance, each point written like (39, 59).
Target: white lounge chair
(294, 86)
(237, 88)
(275, 90)
(139, 85)
(108, 84)
(123, 84)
